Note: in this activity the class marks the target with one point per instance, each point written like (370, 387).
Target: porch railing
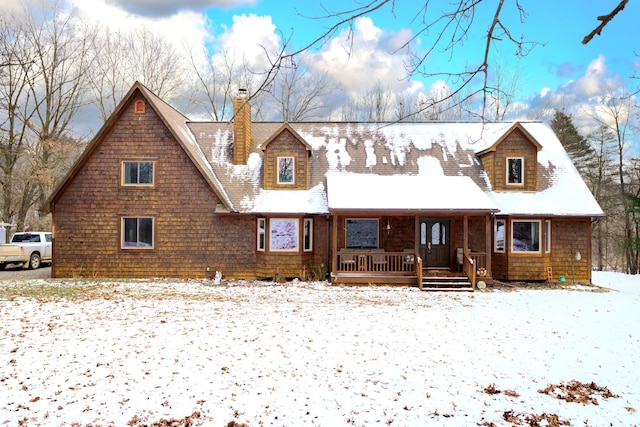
(474, 266)
(371, 262)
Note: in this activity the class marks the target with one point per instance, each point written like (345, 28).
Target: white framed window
(515, 170)
(361, 233)
(547, 236)
(283, 234)
(499, 234)
(525, 236)
(138, 173)
(307, 235)
(261, 234)
(137, 232)
(286, 170)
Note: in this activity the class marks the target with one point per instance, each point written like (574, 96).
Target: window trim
(508, 163)
(123, 174)
(122, 233)
(539, 236)
(261, 235)
(346, 234)
(547, 236)
(307, 235)
(295, 239)
(139, 107)
(495, 236)
(279, 161)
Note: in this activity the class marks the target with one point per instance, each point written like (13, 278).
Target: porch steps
(448, 283)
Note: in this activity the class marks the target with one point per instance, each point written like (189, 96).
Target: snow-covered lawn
(140, 352)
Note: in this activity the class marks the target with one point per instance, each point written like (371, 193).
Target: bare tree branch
(604, 20)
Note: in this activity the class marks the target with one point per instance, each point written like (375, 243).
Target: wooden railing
(372, 262)
(468, 268)
(474, 266)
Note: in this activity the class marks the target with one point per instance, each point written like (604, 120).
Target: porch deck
(369, 267)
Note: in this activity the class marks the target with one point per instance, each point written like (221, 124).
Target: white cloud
(359, 58)
(583, 97)
(249, 38)
(192, 25)
(165, 8)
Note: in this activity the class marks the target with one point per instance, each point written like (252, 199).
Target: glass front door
(434, 242)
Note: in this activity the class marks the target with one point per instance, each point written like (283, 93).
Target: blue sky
(558, 27)
(559, 72)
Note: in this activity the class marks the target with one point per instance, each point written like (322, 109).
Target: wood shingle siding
(434, 190)
(88, 213)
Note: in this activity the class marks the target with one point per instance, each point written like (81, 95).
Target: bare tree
(14, 94)
(601, 180)
(604, 21)
(615, 114)
(217, 79)
(108, 80)
(62, 49)
(155, 62)
(123, 58)
(299, 93)
(446, 26)
(50, 52)
(503, 89)
(374, 104)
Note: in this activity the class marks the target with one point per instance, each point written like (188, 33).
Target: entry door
(434, 242)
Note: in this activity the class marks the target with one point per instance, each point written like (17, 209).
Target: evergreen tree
(576, 145)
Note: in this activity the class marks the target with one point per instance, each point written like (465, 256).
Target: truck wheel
(34, 261)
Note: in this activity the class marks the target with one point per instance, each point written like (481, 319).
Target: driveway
(14, 272)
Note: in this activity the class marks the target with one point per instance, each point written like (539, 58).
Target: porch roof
(406, 192)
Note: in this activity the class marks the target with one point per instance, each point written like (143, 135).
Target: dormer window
(515, 171)
(286, 170)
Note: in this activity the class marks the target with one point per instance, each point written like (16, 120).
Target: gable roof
(277, 133)
(364, 158)
(565, 192)
(428, 150)
(177, 125)
(494, 139)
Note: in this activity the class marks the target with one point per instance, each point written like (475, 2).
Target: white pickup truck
(29, 249)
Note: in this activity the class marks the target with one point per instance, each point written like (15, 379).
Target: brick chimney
(241, 128)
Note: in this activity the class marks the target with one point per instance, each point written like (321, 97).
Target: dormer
(511, 162)
(286, 161)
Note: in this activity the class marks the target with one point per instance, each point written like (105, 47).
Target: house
(158, 195)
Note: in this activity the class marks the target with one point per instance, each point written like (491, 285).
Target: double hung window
(137, 173)
(137, 232)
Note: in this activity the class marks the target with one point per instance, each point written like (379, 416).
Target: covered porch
(435, 253)
(441, 241)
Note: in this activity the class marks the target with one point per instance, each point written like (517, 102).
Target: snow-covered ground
(290, 354)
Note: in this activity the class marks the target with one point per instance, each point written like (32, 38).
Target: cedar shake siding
(515, 145)
(568, 236)
(232, 196)
(88, 213)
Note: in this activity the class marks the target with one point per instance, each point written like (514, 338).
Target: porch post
(488, 246)
(465, 244)
(334, 242)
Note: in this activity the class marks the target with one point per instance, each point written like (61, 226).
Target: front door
(434, 242)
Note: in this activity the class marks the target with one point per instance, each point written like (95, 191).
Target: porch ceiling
(351, 192)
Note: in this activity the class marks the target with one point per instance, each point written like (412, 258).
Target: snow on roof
(312, 201)
(404, 192)
(391, 155)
